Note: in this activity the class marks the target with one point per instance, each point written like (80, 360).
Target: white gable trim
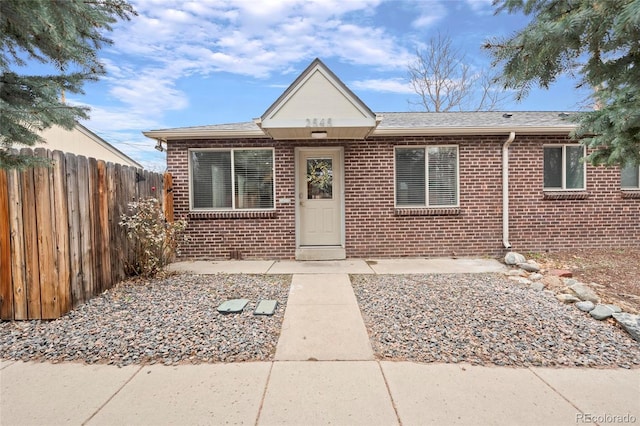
(318, 101)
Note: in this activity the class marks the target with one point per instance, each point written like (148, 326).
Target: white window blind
(443, 176)
(410, 177)
(211, 179)
(254, 179)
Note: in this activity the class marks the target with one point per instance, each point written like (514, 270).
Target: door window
(319, 178)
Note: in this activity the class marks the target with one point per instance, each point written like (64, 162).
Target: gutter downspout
(505, 190)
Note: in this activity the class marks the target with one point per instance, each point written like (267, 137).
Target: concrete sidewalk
(310, 393)
(348, 266)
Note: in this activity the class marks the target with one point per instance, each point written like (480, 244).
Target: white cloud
(394, 85)
(483, 7)
(429, 14)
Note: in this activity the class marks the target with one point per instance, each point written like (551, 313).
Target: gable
(318, 103)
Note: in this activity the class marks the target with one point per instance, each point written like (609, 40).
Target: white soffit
(318, 101)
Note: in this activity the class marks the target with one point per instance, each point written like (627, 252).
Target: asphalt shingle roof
(494, 119)
(409, 120)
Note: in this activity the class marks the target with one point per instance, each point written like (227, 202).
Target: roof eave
(441, 131)
(167, 135)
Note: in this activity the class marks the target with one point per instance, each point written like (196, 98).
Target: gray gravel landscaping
(170, 320)
(484, 319)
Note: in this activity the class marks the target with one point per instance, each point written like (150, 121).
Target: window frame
(630, 188)
(426, 205)
(233, 207)
(564, 168)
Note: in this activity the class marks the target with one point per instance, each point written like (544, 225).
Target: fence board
(46, 251)
(32, 264)
(111, 203)
(6, 291)
(86, 236)
(61, 215)
(18, 277)
(73, 220)
(103, 225)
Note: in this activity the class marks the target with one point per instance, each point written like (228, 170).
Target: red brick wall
(375, 229)
(602, 219)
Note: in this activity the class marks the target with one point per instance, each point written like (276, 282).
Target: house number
(319, 122)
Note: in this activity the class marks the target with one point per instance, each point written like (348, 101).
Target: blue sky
(204, 62)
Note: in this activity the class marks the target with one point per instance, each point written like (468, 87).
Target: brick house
(320, 176)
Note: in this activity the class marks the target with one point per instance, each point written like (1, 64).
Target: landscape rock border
(568, 290)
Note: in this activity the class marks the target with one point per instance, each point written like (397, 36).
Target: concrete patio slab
(597, 392)
(348, 266)
(435, 266)
(457, 394)
(189, 394)
(209, 267)
(322, 321)
(321, 393)
(65, 393)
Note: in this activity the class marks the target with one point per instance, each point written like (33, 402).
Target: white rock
(537, 286)
(521, 280)
(630, 322)
(567, 298)
(536, 276)
(585, 306)
(528, 267)
(584, 293)
(601, 312)
(513, 258)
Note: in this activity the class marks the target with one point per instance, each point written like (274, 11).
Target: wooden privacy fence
(60, 238)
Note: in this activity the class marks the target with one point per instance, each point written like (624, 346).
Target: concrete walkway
(324, 373)
(322, 321)
(349, 266)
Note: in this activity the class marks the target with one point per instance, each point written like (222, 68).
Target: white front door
(319, 196)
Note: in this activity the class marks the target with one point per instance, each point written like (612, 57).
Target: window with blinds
(235, 179)
(427, 176)
(564, 168)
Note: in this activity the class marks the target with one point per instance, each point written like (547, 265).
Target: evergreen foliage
(596, 40)
(65, 35)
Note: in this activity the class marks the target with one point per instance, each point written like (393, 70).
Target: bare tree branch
(443, 80)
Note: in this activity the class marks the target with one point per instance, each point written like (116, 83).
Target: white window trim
(630, 188)
(564, 168)
(233, 179)
(426, 177)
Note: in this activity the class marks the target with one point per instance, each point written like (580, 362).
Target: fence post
(167, 199)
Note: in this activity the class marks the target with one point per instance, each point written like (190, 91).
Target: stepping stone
(232, 306)
(266, 307)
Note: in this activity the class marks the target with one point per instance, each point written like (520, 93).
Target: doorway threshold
(321, 253)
